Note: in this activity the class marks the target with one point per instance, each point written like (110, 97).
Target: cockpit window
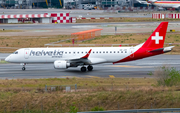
(16, 52)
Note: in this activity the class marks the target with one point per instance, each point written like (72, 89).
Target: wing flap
(97, 60)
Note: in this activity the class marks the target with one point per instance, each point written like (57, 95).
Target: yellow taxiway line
(92, 76)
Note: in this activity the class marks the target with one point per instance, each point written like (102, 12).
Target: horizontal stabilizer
(166, 49)
(157, 50)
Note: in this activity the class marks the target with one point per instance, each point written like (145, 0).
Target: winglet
(87, 55)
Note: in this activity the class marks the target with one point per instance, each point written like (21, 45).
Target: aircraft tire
(90, 68)
(83, 69)
(23, 68)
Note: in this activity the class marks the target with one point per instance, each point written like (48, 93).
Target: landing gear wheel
(23, 68)
(90, 68)
(83, 69)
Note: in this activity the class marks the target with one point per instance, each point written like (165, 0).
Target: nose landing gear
(23, 68)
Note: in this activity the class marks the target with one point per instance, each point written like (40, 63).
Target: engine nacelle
(59, 64)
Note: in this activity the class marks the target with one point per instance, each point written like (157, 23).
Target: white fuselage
(49, 55)
(167, 4)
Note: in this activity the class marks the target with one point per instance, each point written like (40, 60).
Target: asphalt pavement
(67, 29)
(78, 25)
(138, 68)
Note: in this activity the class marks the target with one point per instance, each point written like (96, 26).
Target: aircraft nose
(7, 58)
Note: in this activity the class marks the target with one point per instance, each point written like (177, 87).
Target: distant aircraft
(164, 4)
(87, 56)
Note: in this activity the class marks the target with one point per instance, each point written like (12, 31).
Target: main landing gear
(23, 68)
(90, 68)
(83, 69)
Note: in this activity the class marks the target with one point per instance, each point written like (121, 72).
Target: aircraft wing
(85, 60)
(143, 2)
(81, 61)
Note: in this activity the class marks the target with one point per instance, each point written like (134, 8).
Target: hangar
(36, 18)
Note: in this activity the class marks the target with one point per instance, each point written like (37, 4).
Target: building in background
(68, 4)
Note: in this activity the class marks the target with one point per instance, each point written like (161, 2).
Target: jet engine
(59, 64)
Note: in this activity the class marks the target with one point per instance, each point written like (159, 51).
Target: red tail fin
(156, 40)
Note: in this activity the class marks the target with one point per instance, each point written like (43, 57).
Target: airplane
(165, 4)
(64, 58)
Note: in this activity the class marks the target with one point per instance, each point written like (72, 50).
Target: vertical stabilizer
(156, 40)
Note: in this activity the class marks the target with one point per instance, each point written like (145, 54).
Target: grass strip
(110, 94)
(3, 62)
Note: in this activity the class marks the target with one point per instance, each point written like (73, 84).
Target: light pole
(64, 4)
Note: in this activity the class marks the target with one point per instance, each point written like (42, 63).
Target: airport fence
(67, 88)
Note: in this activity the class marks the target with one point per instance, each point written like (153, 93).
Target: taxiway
(138, 68)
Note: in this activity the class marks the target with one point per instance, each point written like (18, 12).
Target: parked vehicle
(88, 7)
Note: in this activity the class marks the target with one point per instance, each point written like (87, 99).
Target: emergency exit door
(26, 53)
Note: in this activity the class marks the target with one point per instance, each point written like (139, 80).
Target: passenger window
(110, 51)
(74, 52)
(96, 51)
(86, 51)
(103, 51)
(69, 52)
(82, 52)
(65, 52)
(99, 51)
(114, 51)
(106, 51)
(93, 51)
(117, 51)
(78, 52)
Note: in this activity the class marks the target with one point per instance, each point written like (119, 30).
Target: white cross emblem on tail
(157, 38)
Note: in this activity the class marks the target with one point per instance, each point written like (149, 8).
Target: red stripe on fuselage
(139, 54)
(175, 2)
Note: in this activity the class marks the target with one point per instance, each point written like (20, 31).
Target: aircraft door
(26, 53)
(131, 52)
